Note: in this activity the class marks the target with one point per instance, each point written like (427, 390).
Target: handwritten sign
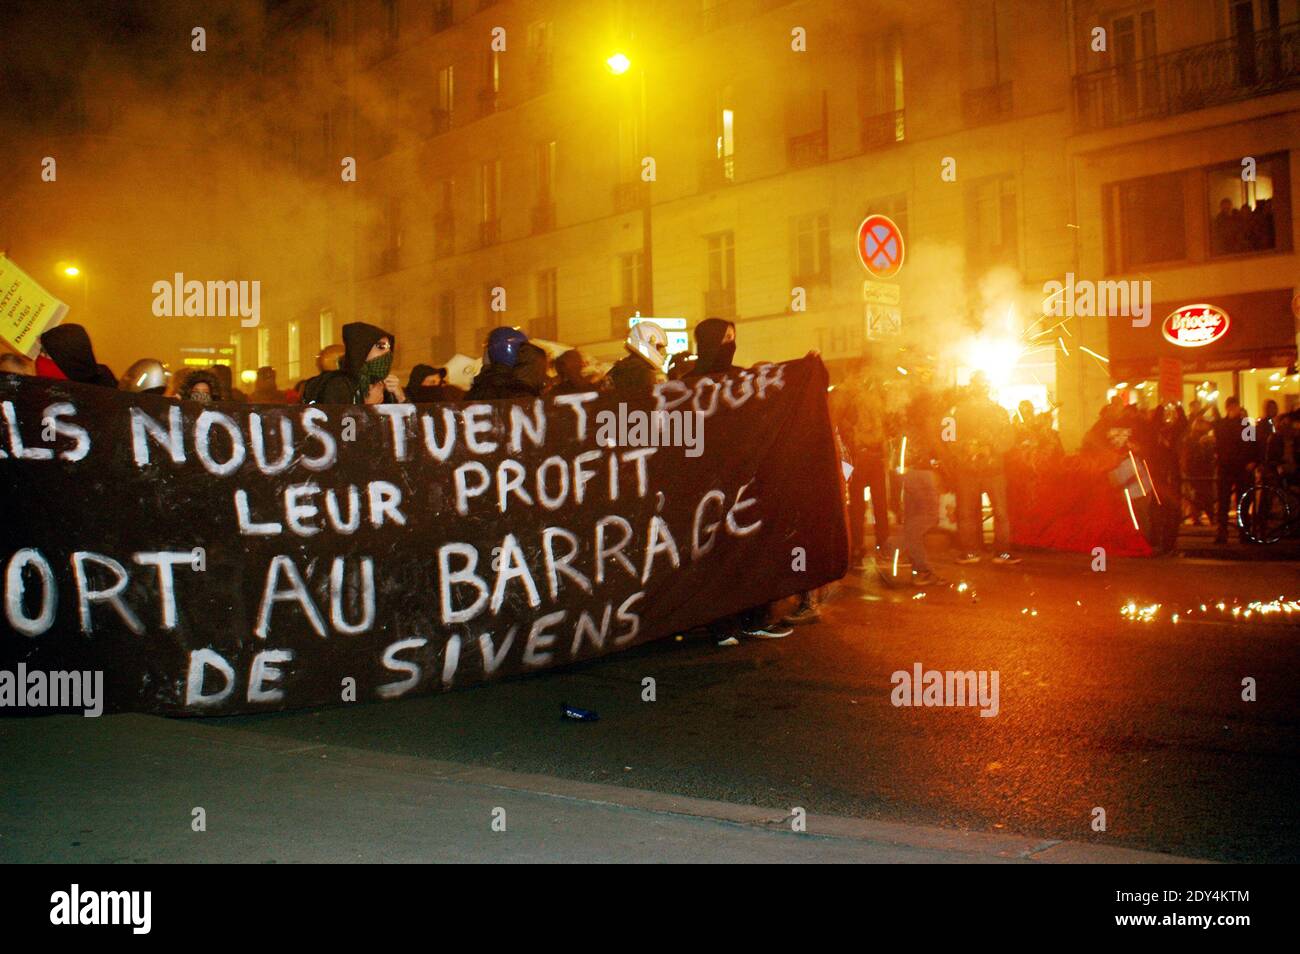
(26, 309)
(237, 558)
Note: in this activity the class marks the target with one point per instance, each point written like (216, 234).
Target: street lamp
(74, 271)
(619, 64)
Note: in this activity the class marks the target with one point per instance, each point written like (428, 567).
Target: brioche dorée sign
(1194, 326)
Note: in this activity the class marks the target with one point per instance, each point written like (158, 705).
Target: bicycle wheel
(1264, 513)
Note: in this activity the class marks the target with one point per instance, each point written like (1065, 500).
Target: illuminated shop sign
(1194, 326)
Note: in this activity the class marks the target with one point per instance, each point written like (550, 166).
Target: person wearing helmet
(513, 367)
(645, 362)
(66, 353)
(146, 376)
(329, 357)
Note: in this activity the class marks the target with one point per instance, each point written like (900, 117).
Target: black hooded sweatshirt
(419, 393)
(69, 347)
(344, 386)
(714, 356)
(499, 382)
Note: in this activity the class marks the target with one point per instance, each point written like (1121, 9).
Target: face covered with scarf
(379, 362)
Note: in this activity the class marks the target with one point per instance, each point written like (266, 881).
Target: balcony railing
(806, 150)
(543, 217)
(1241, 67)
(882, 129)
(720, 303)
(988, 104)
(630, 195)
(541, 75)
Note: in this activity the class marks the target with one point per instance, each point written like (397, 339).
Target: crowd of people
(906, 443)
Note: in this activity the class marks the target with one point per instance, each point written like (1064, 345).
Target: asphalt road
(1142, 719)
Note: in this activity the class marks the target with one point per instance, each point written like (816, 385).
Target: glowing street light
(72, 271)
(618, 64)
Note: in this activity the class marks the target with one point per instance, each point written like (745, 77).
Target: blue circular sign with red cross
(880, 246)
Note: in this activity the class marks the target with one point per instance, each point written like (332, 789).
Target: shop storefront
(1210, 349)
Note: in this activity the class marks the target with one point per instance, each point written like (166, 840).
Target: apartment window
(489, 200)
(546, 171)
(720, 298)
(1133, 39)
(987, 96)
(881, 93)
(263, 347)
(444, 220)
(444, 339)
(812, 249)
(446, 99)
(806, 127)
(491, 88)
(539, 54)
(992, 224)
(726, 141)
(630, 266)
(326, 327)
(1147, 223)
(544, 325)
(442, 15)
(294, 347)
(392, 19)
(1249, 217)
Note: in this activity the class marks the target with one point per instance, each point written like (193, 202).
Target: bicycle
(1269, 511)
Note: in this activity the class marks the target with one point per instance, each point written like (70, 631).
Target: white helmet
(648, 341)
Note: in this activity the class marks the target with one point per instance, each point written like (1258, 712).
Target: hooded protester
(201, 385)
(66, 353)
(265, 391)
(364, 375)
(228, 390)
(429, 384)
(715, 347)
(512, 368)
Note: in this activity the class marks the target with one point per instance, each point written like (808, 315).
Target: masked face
(376, 369)
(202, 395)
(726, 352)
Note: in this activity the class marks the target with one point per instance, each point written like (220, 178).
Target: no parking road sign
(880, 246)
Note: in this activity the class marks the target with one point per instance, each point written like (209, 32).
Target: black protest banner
(239, 557)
